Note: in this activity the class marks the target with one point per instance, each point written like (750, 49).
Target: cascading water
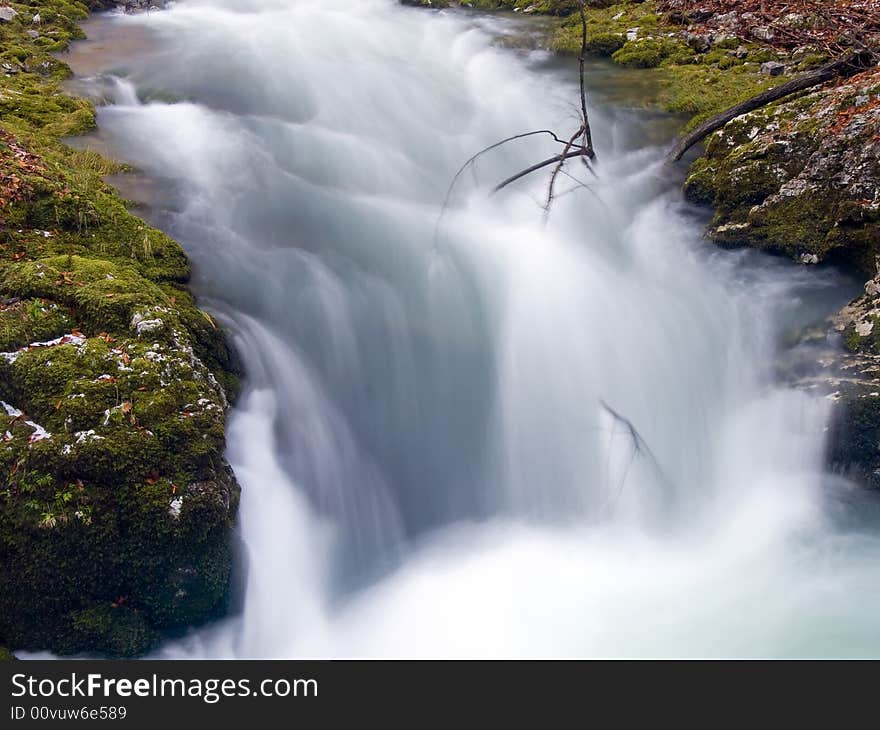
(427, 445)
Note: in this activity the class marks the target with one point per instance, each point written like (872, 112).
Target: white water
(426, 465)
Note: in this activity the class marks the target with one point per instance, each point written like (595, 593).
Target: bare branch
(584, 150)
(470, 163)
(588, 135)
(640, 446)
(551, 185)
(536, 167)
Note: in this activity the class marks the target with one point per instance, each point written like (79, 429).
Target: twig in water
(639, 447)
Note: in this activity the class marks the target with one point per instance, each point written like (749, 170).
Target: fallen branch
(584, 150)
(537, 166)
(639, 447)
(848, 66)
(472, 160)
(571, 149)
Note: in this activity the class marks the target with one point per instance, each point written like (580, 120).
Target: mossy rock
(651, 52)
(116, 504)
(799, 177)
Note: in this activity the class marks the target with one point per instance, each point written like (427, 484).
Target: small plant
(35, 310)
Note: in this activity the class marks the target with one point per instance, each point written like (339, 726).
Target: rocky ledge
(116, 505)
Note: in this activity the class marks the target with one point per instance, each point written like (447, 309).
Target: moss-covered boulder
(801, 177)
(116, 504)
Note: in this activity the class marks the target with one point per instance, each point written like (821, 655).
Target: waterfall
(489, 434)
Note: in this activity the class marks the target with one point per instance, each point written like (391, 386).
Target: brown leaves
(832, 25)
(128, 413)
(16, 162)
(847, 115)
(154, 477)
(64, 278)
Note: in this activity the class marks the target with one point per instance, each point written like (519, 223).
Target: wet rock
(840, 361)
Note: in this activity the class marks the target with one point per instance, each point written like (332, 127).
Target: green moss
(703, 91)
(651, 52)
(605, 44)
(797, 224)
(32, 320)
(699, 186)
(606, 22)
(111, 629)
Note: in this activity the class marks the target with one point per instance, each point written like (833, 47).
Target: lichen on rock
(801, 177)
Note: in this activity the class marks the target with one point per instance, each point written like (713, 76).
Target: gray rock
(700, 43)
(632, 34)
(7, 14)
(795, 20)
(33, 34)
(773, 68)
(727, 19)
(763, 33)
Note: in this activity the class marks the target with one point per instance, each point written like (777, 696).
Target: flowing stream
(486, 434)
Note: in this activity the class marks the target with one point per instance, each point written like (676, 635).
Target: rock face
(801, 177)
(847, 353)
(116, 505)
